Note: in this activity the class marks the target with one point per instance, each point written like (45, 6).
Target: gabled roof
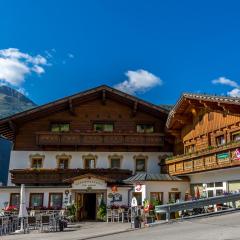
(7, 125)
(188, 101)
(142, 177)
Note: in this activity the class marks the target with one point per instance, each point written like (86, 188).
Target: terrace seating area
(50, 221)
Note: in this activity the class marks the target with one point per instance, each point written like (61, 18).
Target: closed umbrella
(197, 193)
(23, 208)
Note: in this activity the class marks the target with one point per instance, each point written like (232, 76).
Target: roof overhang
(8, 126)
(189, 103)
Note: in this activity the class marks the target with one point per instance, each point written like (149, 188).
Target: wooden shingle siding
(81, 122)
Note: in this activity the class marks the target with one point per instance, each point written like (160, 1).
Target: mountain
(12, 101)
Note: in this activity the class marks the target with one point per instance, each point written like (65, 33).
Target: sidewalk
(86, 230)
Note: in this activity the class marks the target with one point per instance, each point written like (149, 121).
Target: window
(210, 193)
(115, 162)
(156, 197)
(60, 127)
(63, 163)
(37, 163)
(236, 136)
(55, 200)
(145, 128)
(15, 199)
(140, 165)
(103, 127)
(36, 200)
(190, 148)
(220, 140)
(218, 184)
(219, 192)
(173, 197)
(210, 185)
(89, 163)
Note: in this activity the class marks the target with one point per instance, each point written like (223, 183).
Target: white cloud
(234, 93)
(225, 81)
(138, 81)
(16, 65)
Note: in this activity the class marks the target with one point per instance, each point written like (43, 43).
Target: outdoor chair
(44, 222)
(1, 226)
(115, 215)
(109, 215)
(32, 213)
(31, 223)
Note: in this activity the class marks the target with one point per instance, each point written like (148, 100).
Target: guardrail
(168, 208)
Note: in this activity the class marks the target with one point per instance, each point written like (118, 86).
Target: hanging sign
(134, 202)
(237, 154)
(138, 188)
(114, 189)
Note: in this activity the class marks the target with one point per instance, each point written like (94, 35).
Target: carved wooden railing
(96, 138)
(211, 159)
(58, 176)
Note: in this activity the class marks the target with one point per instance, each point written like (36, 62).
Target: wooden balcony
(57, 176)
(206, 160)
(99, 139)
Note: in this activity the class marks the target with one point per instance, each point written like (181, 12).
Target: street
(225, 227)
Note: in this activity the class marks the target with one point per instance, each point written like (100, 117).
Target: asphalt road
(225, 227)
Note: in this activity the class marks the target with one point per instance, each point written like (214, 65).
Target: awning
(140, 177)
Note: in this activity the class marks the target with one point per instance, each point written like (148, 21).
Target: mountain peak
(12, 101)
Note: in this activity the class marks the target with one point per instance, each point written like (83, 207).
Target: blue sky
(51, 49)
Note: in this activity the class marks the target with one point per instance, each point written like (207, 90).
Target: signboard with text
(89, 183)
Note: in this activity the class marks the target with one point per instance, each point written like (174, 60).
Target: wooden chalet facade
(81, 148)
(207, 142)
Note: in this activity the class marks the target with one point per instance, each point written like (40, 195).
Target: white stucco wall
(222, 175)
(21, 159)
(165, 187)
(5, 194)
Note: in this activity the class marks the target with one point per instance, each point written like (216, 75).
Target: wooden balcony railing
(209, 159)
(57, 176)
(99, 139)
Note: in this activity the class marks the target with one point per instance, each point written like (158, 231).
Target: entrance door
(89, 206)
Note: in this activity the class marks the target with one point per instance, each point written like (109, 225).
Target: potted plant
(102, 211)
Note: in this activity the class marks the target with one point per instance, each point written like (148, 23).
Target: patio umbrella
(23, 208)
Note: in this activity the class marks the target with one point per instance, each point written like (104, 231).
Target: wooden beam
(12, 126)
(135, 107)
(71, 108)
(103, 96)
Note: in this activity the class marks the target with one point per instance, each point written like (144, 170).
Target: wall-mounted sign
(138, 188)
(174, 189)
(237, 154)
(115, 197)
(89, 184)
(134, 202)
(223, 156)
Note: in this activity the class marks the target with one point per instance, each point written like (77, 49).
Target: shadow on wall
(5, 149)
